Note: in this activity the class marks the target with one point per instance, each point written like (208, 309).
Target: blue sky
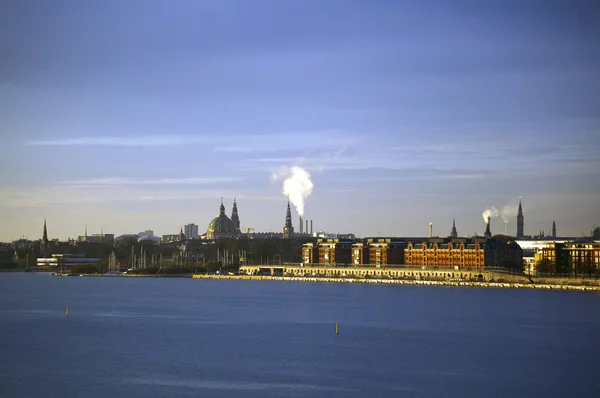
(134, 115)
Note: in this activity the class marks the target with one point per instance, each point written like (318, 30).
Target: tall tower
(520, 222)
(553, 229)
(288, 229)
(488, 232)
(453, 233)
(235, 217)
(45, 242)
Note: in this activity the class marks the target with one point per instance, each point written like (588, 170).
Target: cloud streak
(122, 182)
(127, 141)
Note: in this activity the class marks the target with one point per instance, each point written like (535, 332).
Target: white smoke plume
(297, 185)
(509, 211)
(490, 212)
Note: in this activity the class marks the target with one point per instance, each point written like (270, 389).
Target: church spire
(45, 237)
(453, 233)
(288, 229)
(234, 216)
(520, 221)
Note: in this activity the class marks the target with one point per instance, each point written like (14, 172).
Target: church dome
(221, 226)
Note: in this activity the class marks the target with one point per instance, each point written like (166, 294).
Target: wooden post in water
(337, 328)
(67, 311)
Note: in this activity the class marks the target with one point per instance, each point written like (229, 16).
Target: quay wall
(382, 272)
(510, 285)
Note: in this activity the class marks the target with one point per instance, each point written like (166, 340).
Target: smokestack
(488, 232)
(431, 230)
(306, 229)
(300, 224)
(311, 232)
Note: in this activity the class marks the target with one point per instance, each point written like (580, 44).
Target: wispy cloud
(298, 142)
(462, 176)
(236, 142)
(67, 196)
(128, 141)
(122, 182)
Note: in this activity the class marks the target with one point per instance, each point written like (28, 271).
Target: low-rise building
(65, 260)
(385, 252)
(310, 253)
(464, 253)
(334, 251)
(580, 256)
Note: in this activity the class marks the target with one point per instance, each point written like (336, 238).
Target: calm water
(129, 337)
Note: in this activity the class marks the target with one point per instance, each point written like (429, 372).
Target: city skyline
(500, 224)
(125, 116)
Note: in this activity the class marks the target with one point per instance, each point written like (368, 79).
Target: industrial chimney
(311, 232)
(300, 224)
(488, 232)
(306, 229)
(431, 230)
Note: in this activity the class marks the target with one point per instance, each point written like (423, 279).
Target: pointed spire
(288, 229)
(520, 222)
(45, 237)
(453, 233)
(221, 208)
(234, 216)
(520, 207)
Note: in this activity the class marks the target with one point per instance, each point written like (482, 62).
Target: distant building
(520, 222)
(65, 260)
(97, 238)
(221, 226)
(170, 238)
(464, 253)
(127, 238)
(235, 218)
(266, 235)
(191, 231)
(385, 252)
(581, 256)
(334, 251)
(375, 251)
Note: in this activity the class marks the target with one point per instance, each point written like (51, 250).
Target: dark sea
(175, 337)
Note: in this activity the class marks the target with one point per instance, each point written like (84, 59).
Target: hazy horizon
(127, 116)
